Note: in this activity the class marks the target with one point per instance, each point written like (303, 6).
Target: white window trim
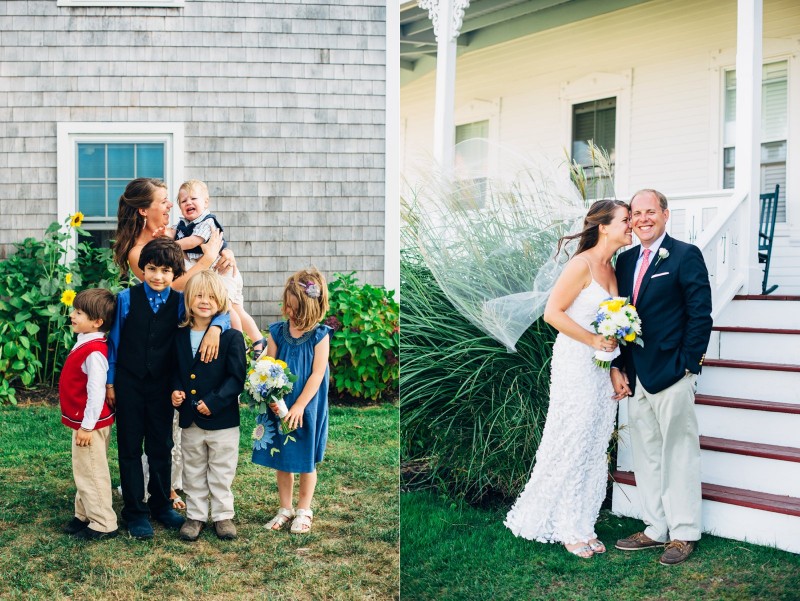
(774, 50)
(111, 3)
(597, 86)
(70, 134)
(483, 110)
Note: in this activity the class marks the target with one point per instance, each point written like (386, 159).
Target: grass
(451, 552)
(351, 553)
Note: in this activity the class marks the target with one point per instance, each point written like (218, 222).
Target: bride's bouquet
(268, 381)
(616, 318)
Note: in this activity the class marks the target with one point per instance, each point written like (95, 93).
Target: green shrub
(37, 286)
(472, 411)
(364, 350)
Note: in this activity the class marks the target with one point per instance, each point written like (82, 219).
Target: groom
(667, 281)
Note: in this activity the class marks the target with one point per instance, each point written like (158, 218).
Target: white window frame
(597, 86)
(111, 3)
(70, 134)
(774, 50)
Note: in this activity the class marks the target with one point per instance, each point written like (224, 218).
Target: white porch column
(447, 16)
(748, 131)
(391, 219)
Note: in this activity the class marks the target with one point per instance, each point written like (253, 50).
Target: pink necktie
(642, 270)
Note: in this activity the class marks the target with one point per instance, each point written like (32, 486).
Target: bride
(562, 499)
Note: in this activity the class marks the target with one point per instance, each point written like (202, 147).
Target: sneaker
(74, 526)
(89, 534)
(637, 542)
(225, 529)
(140, 528)
(677, 551)
(191, 529)
(170, 519)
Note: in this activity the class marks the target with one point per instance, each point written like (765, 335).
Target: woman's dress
(562, 499)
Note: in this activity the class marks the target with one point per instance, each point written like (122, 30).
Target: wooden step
(729, 363)
(750, 404)
(751, 449)
(768, 297)
(733, 496)
(744, 330)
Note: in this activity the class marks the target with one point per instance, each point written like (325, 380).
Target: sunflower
(68, 278)
(76, 220)
(67, 297)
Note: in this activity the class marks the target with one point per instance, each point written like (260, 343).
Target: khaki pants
(210, 458)
(93, 481)
(666, 460)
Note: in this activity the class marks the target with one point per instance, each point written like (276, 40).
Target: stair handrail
(720, 243)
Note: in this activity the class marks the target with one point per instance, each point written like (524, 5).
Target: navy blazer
(218, 383)
(674, 304)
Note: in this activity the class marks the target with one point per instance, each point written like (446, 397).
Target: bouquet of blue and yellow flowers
(616, 318)
(268, 381)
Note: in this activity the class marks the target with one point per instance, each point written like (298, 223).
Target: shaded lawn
(467, 553)
(351, 553)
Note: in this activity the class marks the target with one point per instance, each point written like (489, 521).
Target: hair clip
(312, 290)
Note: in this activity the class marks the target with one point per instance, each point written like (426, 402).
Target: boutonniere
(663, 253)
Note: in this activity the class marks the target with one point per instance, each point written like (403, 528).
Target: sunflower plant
(38, 284)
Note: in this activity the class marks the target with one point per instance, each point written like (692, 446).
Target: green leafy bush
(37, 286)
(364, 350)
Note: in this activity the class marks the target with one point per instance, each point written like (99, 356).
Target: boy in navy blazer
(667, 281)
(207, 398)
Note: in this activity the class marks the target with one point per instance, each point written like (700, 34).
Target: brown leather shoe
(225, 529)
(637, 542)
(677, 551)
(191, 529)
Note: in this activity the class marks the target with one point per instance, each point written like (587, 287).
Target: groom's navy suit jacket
(674, 304)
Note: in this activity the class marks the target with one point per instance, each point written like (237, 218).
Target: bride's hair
(138, 194)
(600, 213)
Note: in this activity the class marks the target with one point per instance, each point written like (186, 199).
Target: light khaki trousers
(93, 481)
(210, 458)
(666, 460)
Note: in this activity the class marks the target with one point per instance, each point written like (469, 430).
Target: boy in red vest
(81, 389)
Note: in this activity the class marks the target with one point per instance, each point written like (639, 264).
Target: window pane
(91, 198)
(120, 161)
(91, 160)
(115, 189)
(594, 121)
(150, 160)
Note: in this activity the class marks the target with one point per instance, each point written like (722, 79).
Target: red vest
(72, 386)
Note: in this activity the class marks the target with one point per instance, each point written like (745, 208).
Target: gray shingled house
(278, 105)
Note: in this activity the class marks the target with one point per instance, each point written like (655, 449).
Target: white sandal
(581, 551)
(281, 519)
(302, 523)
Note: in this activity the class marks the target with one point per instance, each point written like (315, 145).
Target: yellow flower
(67, 297)
(281, 363)
(630, 337)
(68, 278)
(76, 220)
(615, 305)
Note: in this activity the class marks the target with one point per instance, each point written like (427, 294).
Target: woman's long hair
(600, 213)
(138, 194)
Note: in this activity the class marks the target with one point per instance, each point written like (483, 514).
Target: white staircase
(748, 409)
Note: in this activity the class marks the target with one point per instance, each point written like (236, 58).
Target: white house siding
(283, 106)
(671, 51)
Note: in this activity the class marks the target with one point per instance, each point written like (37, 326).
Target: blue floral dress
(299, 451)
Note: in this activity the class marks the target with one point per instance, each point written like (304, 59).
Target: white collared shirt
(95, 367)
(654, 248)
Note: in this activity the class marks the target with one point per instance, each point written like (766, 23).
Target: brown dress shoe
(225, 529)
(677, 551)
(637, 542)
(191, 530)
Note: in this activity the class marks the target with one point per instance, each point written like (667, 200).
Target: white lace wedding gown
(562, 499)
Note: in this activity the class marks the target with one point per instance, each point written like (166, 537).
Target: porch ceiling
(490, 22)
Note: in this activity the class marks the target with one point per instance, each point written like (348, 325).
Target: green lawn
(467, 553)
(351, 553)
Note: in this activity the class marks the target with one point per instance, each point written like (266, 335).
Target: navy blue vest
(145, 345)
(184, 230)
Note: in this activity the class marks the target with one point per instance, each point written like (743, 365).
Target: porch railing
(717, 223)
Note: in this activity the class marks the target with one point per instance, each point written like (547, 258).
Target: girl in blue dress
(303, 343)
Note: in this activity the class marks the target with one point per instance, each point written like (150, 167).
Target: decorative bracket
(457, 8)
